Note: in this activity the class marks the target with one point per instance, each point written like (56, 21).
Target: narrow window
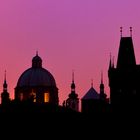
(46, 97)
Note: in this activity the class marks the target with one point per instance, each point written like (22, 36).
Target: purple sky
(69, 34)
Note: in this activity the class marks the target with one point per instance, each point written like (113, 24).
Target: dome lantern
(37, 61)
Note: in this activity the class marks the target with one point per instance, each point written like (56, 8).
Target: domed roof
(36, 75)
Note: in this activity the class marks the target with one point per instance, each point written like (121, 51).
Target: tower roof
(126, 56)
(91, 94)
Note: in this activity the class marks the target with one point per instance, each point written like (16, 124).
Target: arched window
(46, 97)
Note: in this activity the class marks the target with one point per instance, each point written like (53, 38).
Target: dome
(36, 75)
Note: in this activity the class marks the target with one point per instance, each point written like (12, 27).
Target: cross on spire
(72, 76)
(121, 30)
(5, 75)
(131, 31)
(92, 83)
(101, 77)
(5, 83)
(36, 52)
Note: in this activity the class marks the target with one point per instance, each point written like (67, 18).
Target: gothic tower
(124, 80)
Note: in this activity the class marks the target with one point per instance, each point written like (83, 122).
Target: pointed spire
(72, 76)
(101, 77)
(5, 75)
(36, 52)
(110, 63)
(130, 31)
(5, 95)
(91, 83)
(5, 83)
(101, 85)
(113, 62)
(121, 31)
(73, 84)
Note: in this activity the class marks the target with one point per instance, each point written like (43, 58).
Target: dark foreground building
(38, 84)
(124, 79)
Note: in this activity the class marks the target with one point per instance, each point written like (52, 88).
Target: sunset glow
(69, 35)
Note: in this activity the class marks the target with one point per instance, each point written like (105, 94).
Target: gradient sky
(69, 34)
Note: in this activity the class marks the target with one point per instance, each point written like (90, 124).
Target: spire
(73, 84)
(5, 83)
(91, 83)
(102, 94)
(72, 76)
(101, 77)
(110, 63)
(113, 62)
(36, 52)
(5, 95)
(130, 31)
(121, 31)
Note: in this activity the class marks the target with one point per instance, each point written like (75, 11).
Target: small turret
(5, 95)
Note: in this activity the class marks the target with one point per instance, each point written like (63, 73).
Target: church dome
(36, 75)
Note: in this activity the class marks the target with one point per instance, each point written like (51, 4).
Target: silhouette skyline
(68, 35)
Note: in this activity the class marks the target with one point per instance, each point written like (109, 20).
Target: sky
(69, 35)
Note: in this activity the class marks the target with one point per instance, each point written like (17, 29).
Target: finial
(101, 77)
(5, 83)
(110, 56)
(5, 75)
(91, 82)
(72, 76)
(131, 31)
(110, 63)
(121, 30)
(36, 52)
(113, 62)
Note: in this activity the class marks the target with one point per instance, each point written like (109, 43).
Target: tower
(73, 100)
(102, 93)
(125, 78)
(5, 95)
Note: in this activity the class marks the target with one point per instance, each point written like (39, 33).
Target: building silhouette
(5, 95)
(36, 88)
(93, 101)
(73, 101)
(103, 96)
(90, 100)
(37, 84)
(124, 79)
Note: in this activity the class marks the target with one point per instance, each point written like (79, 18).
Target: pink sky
(69, 34)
